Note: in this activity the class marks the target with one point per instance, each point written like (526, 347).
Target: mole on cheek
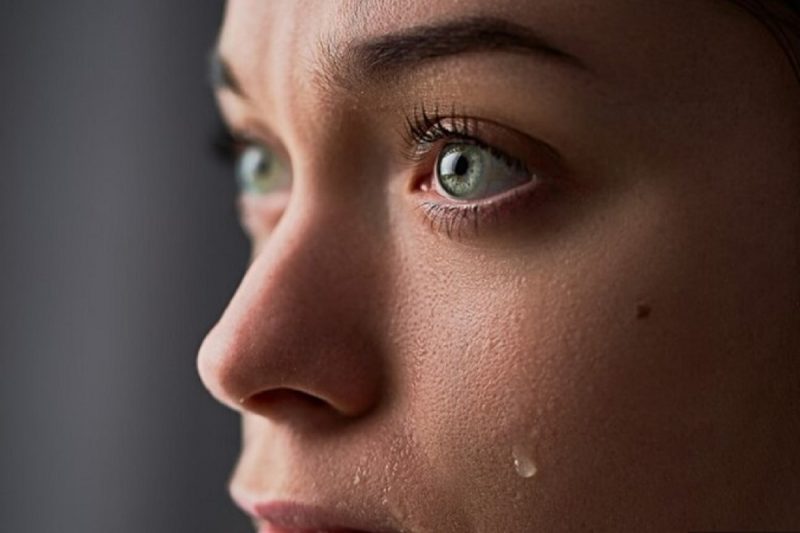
(643, 311)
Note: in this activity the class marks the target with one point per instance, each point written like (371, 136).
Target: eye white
(467, 171)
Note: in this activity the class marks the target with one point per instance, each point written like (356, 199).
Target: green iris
(460, 169)
(468, 171)
(258, 171)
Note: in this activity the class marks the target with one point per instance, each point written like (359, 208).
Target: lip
(292, 517)
(266, 527)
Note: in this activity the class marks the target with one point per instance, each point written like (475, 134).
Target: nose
(299, 333)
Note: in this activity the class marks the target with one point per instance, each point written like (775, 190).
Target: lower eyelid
(260, 214)
(458, 220)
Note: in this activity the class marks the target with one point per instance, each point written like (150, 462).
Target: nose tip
(268, 384)
(216, 371)
(298, 333)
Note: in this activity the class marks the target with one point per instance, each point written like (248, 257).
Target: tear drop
(523, 464)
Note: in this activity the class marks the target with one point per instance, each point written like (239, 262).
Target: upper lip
(294, 516)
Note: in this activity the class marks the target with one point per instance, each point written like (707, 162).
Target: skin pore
(606, 341)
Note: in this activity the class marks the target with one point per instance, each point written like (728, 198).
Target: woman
(518, 266)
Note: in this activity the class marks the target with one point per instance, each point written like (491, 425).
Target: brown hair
(782, 18)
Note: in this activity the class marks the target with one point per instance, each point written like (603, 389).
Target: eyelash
(424, 132)
(227, 146)
(424, 128)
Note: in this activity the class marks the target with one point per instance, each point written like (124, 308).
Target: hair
(782, 19)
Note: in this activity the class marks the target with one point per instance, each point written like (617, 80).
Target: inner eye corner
(422, 180)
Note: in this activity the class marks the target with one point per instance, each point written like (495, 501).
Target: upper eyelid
(241, 123)
(256, 136)
(456, 123)
(246, 134)
(455, 137)
(424, 129)
(536, 155)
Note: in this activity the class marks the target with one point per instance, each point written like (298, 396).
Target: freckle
(643, 311)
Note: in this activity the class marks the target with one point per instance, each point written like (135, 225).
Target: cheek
(503, 356)
(529, 367)
(502, 369)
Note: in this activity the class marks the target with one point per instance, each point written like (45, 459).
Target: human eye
(263, 179)
(258, 169)
(471, 170)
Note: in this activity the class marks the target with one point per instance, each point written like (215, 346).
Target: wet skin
(623, 320)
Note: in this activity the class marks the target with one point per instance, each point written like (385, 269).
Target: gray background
(118, 249)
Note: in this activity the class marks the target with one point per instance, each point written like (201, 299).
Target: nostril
(280, 402)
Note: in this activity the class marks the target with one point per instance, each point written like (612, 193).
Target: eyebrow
(388, 55)
(221, 75)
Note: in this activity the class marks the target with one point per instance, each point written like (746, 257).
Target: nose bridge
(302, 318)
(313, 266)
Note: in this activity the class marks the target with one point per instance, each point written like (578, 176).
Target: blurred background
(119, 247)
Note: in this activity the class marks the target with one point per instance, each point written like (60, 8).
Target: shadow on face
(519, 265)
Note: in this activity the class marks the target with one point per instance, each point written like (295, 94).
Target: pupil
(263, 165)
(462, 165)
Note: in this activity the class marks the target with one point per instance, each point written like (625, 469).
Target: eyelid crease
(421, 123)
(427, 133)
(424, 129)
(248, 127)
(254, 135)
(228, 144)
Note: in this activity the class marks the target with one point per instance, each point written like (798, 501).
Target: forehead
(659, 53)
(350, 18)
(617, 37)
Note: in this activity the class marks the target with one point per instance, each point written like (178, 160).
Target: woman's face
(518, 266)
